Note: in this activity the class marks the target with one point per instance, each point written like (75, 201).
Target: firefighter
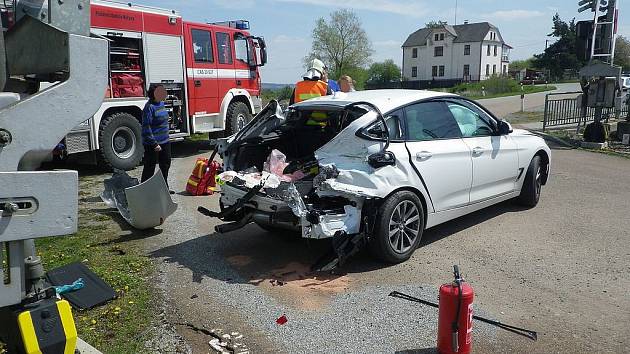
(312, 85)
(157, 148)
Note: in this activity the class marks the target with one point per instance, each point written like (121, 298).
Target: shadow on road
(131, 235)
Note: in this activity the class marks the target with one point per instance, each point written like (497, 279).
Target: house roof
(470, 32)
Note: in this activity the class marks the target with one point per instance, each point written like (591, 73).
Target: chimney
(465, 22)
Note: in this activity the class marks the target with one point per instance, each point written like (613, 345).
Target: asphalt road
(502, 106)
(560, 269)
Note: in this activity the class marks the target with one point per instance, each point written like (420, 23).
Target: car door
(494, 157)
(202, 76)
(438, 154)
(245, 64)
(225, 62)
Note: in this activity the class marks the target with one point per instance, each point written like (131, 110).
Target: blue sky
(287, 24)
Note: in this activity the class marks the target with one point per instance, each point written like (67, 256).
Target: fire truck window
(202, 46)
(224, 48)
(240, 48)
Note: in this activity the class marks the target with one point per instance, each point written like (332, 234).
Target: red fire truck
(211, 73)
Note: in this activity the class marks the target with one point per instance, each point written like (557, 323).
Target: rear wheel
(399, 227)
(120, 139)
(530, 192)
(238, 115)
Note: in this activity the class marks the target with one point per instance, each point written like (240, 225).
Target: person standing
(312, 84)
(346, 83)
(157, 148)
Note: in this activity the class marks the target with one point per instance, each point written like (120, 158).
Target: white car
(625, 83)
(438, 156)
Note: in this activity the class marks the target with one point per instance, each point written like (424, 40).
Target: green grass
(526, 89)
(120, 325)
(525, 117)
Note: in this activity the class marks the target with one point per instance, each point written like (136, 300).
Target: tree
(435, 24)
(341, 43)
(522, 64)
(560, 55)
(383, 73)
(622, 53)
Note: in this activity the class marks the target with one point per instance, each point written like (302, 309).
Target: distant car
(430, 158)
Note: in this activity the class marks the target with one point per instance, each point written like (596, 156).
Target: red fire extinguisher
(455, 316)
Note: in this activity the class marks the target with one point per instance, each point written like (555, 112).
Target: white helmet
(316, 69)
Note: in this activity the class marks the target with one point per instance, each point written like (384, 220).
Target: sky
(287, 25)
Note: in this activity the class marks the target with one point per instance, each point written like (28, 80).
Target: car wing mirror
(382, 159)
(504, 128)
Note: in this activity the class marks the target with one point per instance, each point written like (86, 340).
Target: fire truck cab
(210, 72)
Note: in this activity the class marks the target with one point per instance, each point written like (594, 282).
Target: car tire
(400, 216)
(532, 185)
(120, 140)
(237, 116)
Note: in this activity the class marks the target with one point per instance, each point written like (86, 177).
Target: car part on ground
(143, 205)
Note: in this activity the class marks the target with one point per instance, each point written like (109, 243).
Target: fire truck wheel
(398, 228)
(238, 115)
(120, 138)
(530, 192)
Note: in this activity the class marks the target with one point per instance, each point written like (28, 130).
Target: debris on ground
(282, 320)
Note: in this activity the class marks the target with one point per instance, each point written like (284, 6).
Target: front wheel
(399, 227)
(238, 115)
(532, 185)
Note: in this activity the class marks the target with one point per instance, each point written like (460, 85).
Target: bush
(493, 86)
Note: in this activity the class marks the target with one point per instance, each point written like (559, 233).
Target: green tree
(341, 42)
(522, 64)
(435, 24)
(560, 55)
(622, 53)
(383, 73)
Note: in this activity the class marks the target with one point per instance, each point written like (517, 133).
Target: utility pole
(546, 43)
(455, 12)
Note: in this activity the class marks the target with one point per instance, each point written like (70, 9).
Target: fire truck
(210, 70)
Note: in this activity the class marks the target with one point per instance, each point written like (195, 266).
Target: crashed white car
(336, 166)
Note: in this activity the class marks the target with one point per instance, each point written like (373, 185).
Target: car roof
(385, 100)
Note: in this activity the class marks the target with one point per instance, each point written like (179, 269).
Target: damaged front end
(283, 172)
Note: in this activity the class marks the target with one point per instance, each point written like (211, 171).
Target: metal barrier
(565, 108)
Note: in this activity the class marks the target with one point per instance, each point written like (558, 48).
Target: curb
(552, 138)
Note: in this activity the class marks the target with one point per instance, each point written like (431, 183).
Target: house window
(436, 37)
(467, 49)
(434, 71)
(441, 36)
(438, 51)
(495, 50)
(494, 69)
(441, 70)
(488, 51)
(466, 70)
(487, 69)
(504, 69)
(414, 71)
(414, 53)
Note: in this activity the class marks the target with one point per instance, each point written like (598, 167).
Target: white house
(447, 55)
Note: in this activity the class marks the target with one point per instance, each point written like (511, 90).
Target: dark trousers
(152, 157)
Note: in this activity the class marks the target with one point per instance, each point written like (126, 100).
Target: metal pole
(594, 33)
(614, 35)
(455, 11)
(546, 112)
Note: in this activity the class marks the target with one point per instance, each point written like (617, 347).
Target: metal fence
(565, 109)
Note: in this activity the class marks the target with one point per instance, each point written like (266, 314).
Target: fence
(565, 108)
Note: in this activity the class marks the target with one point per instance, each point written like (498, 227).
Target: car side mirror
(504, 128)
(382, 159)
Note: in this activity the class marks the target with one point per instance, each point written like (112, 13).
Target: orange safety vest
(307, 89)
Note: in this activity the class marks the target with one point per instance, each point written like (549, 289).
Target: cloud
(399, 7)
(508, 15)
(283, 38)
(387, 43)
(235, 5)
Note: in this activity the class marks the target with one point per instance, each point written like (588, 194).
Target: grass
(526, 89)
(525, 117)
(572, 139)
(118, 326)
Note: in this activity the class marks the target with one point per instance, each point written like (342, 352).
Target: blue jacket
(154, 124)
(334, 86)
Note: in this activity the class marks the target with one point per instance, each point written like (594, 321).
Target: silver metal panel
(53, 208)
(66, 105)
(72, 16)
(12, 292)
(78, 142)
(164, 58)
